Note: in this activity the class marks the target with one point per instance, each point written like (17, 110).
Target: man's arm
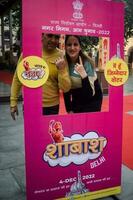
(15, 90)
(64, 81)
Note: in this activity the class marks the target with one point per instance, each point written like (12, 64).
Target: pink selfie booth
(87, 165)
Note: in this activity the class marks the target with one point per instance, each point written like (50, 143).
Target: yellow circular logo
(33, 71)
(116, 72)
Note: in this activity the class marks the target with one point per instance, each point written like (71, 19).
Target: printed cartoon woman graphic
(56, 131)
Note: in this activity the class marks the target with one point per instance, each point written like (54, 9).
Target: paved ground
(12, 171)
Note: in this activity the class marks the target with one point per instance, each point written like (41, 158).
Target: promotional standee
(86, 162)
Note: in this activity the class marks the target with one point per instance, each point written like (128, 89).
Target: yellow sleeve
(15, 88)
(64, 81)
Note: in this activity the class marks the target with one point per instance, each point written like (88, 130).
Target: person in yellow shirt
(58, 79)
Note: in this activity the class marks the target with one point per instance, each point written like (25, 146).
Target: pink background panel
(39, 175)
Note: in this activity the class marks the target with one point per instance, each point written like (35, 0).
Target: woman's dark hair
(81, 54)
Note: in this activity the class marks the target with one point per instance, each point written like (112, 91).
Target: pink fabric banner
(91, 152)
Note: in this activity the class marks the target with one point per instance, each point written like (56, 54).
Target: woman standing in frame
(85, 94)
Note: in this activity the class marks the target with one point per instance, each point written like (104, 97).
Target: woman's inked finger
(80, 60)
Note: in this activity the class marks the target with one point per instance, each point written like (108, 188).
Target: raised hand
(60, 63)
(79, 68)
(14, 112)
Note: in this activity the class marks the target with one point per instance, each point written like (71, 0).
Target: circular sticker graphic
(116, 72)
(33, 71)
